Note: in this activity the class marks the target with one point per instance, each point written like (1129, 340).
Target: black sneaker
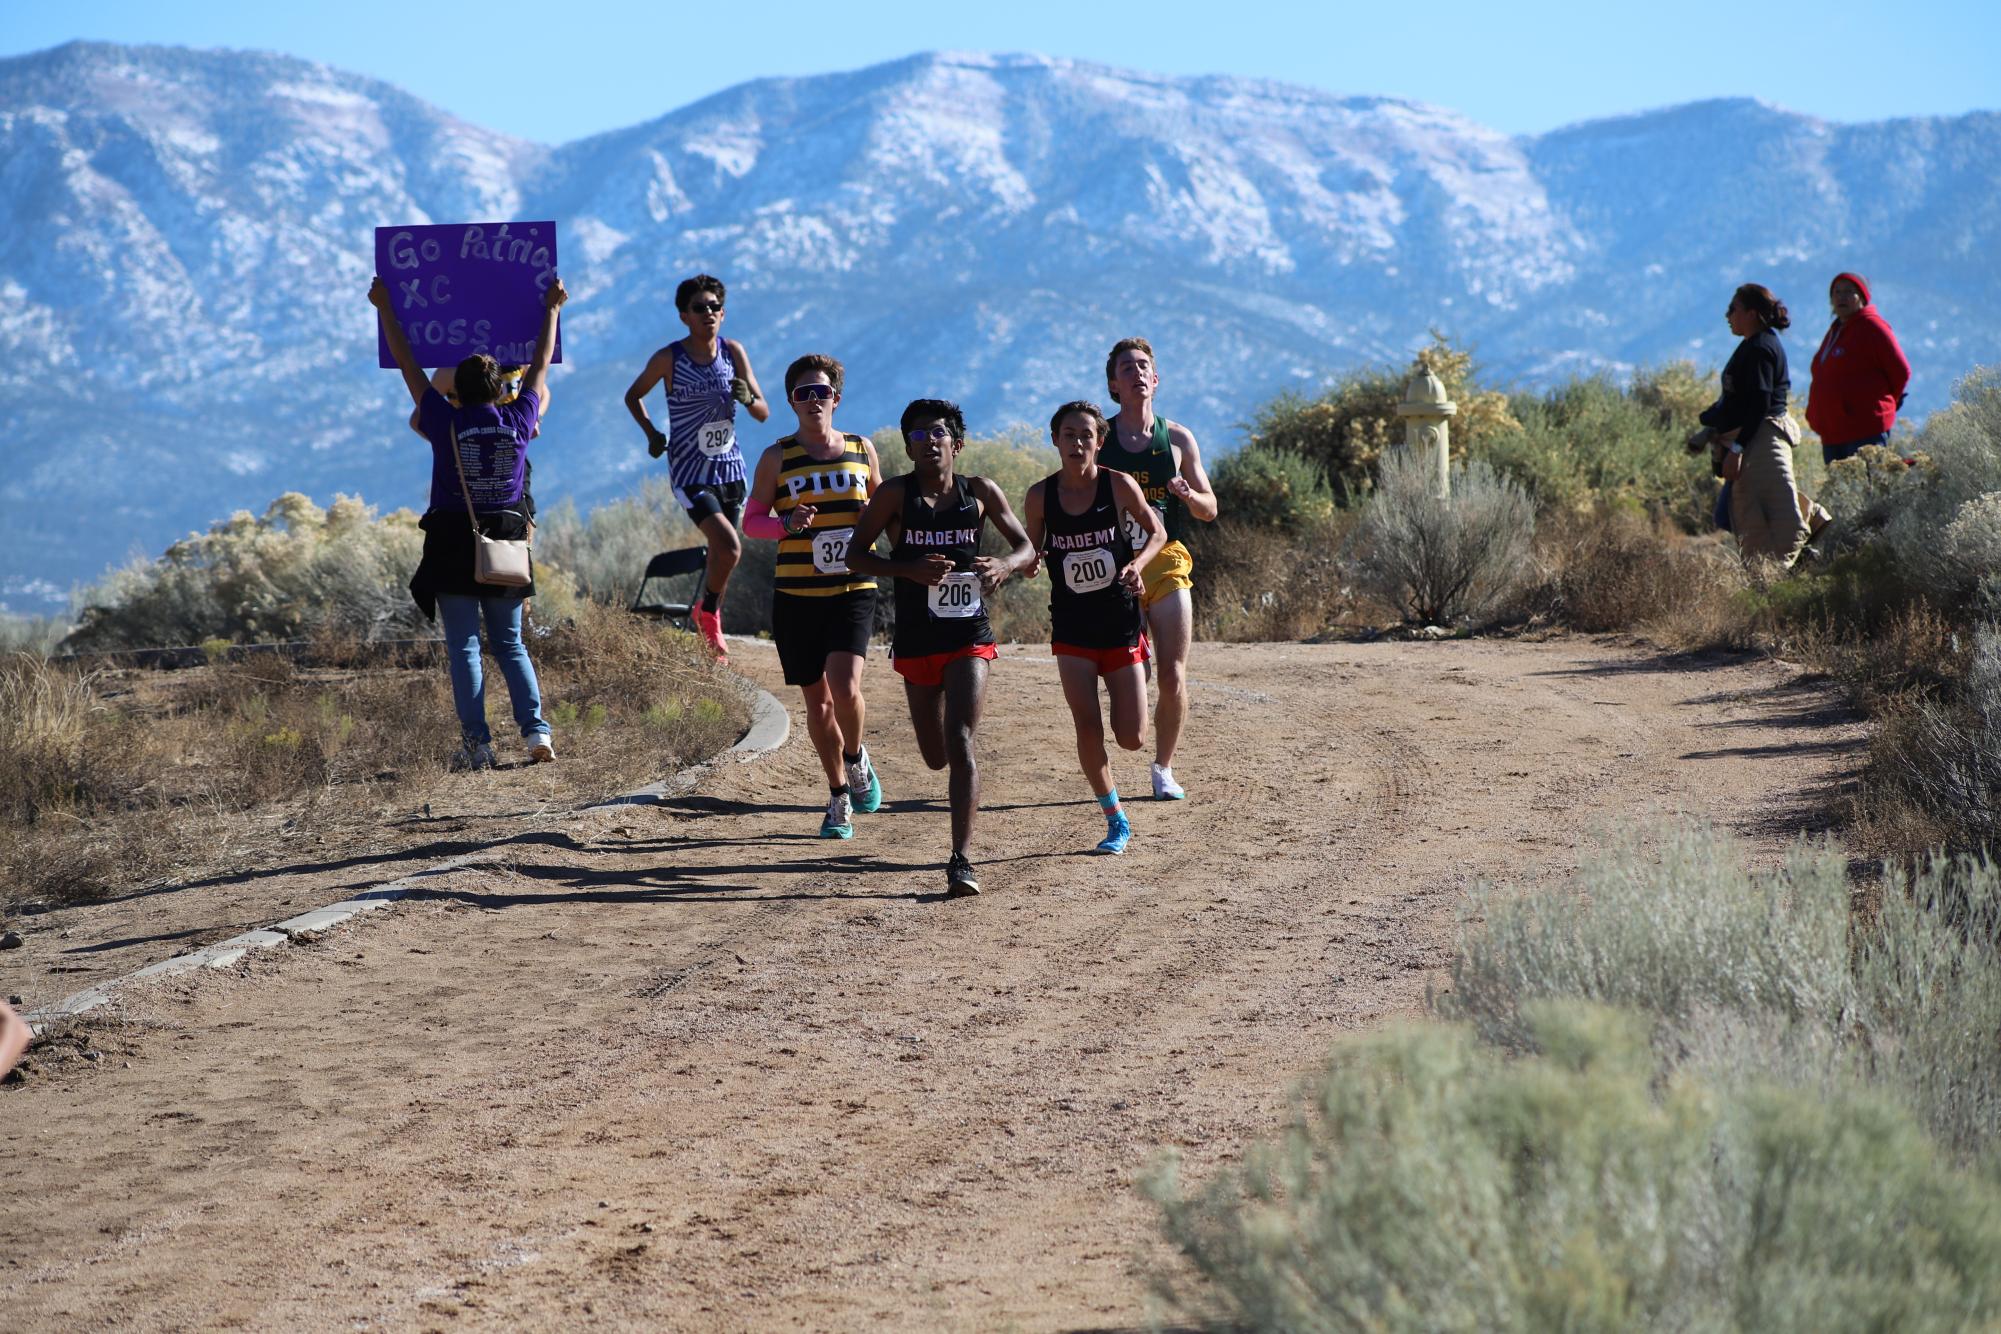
(960, 882)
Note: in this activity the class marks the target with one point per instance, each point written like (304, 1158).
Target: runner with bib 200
(943, 641)
(1081, 520)
(808, 490)
(1165, 459)
(706, 376)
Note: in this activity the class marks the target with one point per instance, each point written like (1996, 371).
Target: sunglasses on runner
(807, 393)
(705, 307)
(942, 434)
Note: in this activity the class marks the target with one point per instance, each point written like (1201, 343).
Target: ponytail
(1758, 299)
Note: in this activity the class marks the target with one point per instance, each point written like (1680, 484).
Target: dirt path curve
(696, 1069)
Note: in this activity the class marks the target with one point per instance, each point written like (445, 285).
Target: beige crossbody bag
(504, 563)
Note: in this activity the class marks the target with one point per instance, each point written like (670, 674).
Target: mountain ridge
(188, 237)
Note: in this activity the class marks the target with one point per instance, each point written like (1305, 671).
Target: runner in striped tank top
(808, 491)
(934, 517)
(706, 376)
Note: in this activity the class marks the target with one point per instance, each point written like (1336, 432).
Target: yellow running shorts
(1167, 572)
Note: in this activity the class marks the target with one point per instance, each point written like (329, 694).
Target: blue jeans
(1834, 453)
(460, 615)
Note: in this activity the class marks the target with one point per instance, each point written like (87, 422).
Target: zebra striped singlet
(815, 563)
(701, 421)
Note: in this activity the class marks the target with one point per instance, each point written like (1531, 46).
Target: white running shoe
(865, 784)
(1164, 786)
(541, 748)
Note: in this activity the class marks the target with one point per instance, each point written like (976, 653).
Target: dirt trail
(689, 1067)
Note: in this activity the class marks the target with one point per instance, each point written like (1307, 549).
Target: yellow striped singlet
(815, 563)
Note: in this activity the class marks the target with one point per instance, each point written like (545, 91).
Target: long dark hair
(1758, 299)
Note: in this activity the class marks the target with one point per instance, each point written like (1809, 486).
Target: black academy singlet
(939, 618)
(1088, 606)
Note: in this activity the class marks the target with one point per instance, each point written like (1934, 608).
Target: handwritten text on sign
(468, 287)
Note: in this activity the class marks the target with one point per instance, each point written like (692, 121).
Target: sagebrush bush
(1668, 921)
(285, 575)
(1946, 755)
(1441, 560)
(38, 635)
(1429, 1183)
(1767, 970)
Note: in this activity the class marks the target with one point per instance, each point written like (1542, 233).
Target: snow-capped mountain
(186, 238)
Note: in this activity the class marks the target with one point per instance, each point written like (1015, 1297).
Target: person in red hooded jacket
(1859, 374)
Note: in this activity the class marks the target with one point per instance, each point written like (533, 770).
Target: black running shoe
(960, 882)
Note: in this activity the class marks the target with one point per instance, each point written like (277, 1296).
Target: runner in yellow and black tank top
(814, 562)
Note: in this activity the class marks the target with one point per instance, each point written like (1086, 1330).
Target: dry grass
(1253, 585)
(122, 779)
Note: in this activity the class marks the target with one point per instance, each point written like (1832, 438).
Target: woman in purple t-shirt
(492, 446)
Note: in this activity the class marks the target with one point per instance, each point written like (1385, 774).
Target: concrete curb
(770, 725)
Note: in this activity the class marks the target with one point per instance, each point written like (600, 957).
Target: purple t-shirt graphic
(493, 445)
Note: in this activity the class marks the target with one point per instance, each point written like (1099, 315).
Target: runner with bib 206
(1081, 520)
(1167, 462)
(808, 491)
(943, 641)
(706, 376)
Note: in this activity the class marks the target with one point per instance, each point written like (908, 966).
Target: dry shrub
(1618, 568)
(631, 698)
(1256, 585)
(117, 780)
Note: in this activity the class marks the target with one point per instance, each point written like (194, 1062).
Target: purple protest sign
(468, 287)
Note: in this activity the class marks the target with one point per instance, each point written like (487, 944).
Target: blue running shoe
(1118, 833)
(862, 781)
(840, 818)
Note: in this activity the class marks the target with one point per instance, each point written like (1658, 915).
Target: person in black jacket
(1751, 434)
(490, 439)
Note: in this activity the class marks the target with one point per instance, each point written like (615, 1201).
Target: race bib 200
(1089, 571)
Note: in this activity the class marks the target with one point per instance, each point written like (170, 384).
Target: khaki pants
(1765, 505)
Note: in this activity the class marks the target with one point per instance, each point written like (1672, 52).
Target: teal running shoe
(1118, 833)
(840, 821)
(862, 781)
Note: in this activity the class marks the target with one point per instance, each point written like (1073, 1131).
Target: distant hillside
(185, 239)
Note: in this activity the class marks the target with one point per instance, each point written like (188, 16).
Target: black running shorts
(807, 629)
(724, 498)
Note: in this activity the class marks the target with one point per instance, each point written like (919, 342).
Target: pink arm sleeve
(766, 524)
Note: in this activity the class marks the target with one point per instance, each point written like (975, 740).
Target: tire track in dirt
(700, 1070)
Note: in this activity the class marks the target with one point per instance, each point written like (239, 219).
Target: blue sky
(558, 72)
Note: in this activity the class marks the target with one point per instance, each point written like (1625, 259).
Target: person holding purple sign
(490, 440)
(706, 376)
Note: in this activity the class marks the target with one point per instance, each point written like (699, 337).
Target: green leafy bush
(1344, 431)
(1440, 560)
(1590, 443)
(1429, 1183)
(1273, 491)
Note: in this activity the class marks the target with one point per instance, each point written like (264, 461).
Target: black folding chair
(669, 566)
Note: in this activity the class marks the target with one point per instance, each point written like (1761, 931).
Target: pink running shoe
(709, 625)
